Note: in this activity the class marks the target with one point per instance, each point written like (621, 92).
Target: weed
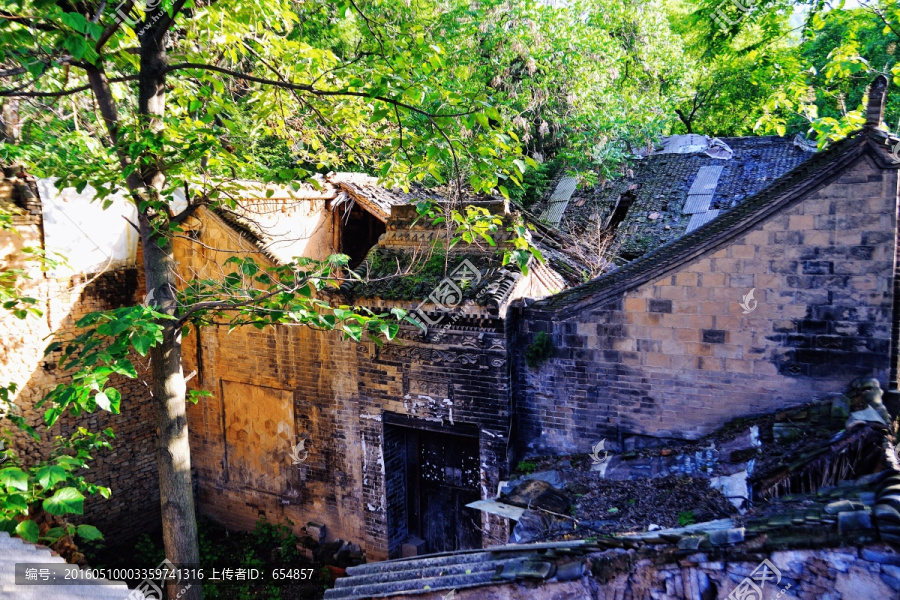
(526, 466)
(539, 350)
(686, 518)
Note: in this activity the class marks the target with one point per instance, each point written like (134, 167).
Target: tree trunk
(168, 386)
(173, 450)
(9, 121)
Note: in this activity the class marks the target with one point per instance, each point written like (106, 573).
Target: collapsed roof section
(671, 246)
(414, 261)
(678, 189)
(408, 260)
(822, 476)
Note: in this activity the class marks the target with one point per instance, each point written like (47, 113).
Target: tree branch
(12, 93)
(111, 29)
(305, 87)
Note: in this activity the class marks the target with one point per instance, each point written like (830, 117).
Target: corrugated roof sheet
(559, 201)
(701, 219)
(706, 180)
(697, 203)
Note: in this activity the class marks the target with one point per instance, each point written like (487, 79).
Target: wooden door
(444, 477)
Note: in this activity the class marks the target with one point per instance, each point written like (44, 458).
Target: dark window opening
(357, 231)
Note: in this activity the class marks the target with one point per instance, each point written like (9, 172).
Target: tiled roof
(557, 561)
(730, 223)
(373, 197)
(662, 183)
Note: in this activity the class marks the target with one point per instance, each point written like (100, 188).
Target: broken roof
(374, 197)
(673, 193)
(673, 249)
(411, 260)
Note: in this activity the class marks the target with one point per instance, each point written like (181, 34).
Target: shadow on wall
(129, 468)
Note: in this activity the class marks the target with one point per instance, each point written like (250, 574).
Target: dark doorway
(442, 475)
(357, 232)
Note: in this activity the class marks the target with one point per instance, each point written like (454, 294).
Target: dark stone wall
(678, 356)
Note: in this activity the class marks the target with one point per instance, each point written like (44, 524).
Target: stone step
(15, 550)
(462, 557)
(67, 592)
(390, 588)
(428, 572)
(437, 560)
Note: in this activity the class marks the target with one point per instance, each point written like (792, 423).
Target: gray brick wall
(678, 356)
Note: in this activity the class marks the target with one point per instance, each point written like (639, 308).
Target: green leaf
(520, 164)
(378, 115)
(115, 399)
(102, 400)
(75, 21)
(28, 530)
(67, 500)
(89, 532)
(142, 343)
(15, 503)
(50, 476)
(77, 45)
(14, 477)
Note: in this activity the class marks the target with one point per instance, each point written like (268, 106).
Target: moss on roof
(392, 274)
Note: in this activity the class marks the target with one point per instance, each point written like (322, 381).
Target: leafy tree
(159, 96)
(812, 79)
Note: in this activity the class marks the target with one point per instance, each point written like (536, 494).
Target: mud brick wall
(340, 392)
(129, 469)
(677, 356)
